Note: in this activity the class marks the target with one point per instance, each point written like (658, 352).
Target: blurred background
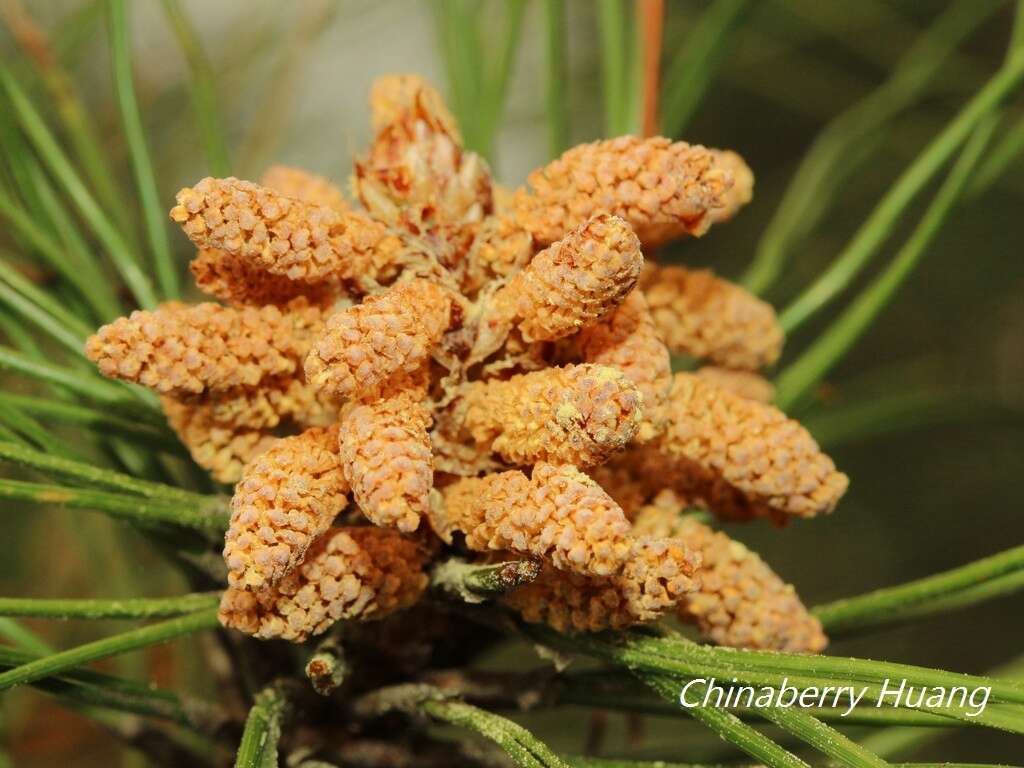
(924, 414)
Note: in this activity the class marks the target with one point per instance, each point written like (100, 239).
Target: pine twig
(476, 583)
(327, 668)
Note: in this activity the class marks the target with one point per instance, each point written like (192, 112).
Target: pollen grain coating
(574, 282)
(389, 333)
(742, 458)
(286, 498)
(658, 575)
(704, 316)
(237, 282)
(577, 414)
(558, 513)
(746, 384)
(179, 349)
(305, 186)
(739, 600)
(445, 368)
(223, 449)
(386, 458)
(663, 190)
(348, 573)
(284, 236)
(628, 340)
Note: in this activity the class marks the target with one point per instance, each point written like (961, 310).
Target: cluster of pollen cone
(456, 368)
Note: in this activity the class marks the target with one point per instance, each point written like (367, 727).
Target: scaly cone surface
(447, 368)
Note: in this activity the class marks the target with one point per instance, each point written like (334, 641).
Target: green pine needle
(112, 645)
(84, 688)
(839, 149)
(822, 738)
(678, 658)
(525, 749)
(37, 435)
(74, 326)
(728, 726)
(207, 517)
(87, 474)
(96, 420)
(901, 411)
(153, 213)
(120, 398)
(23, 638)
(56, 329)
(604, 689)
(998, 160)
(57, 162)
(101, 294)
(495, 86)
(70, 110)
(258, 748)
(874, 231)
(798, 380)
(612, 25)
(203, 89)
(556, 36)
(130, 608)
(889, 605)
(692, 69)
(37, 237)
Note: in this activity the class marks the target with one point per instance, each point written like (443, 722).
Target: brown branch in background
(636, 729)
(597, 728)
(27, 33)
(651, 17)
